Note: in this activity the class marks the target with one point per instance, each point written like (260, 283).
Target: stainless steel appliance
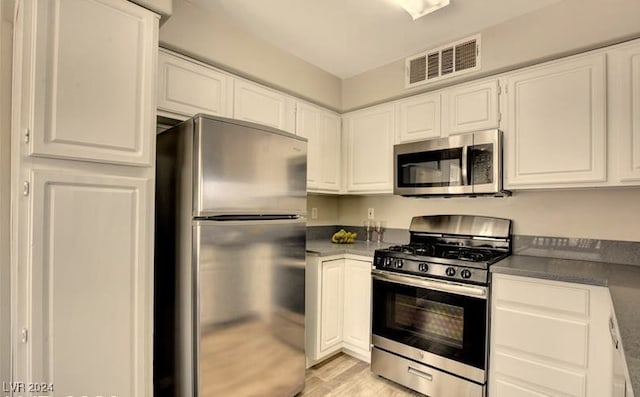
(229, 260)
(466, 164)
(430, 312)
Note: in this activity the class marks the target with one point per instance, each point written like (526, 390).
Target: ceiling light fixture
(420, 8)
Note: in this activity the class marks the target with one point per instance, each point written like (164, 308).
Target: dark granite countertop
(623, 282)
(327, 248)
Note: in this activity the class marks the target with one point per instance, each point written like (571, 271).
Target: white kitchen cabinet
(556, 130)
(419, 118)
(89, 318)
(323, 132)
(624, 111)
(258, 104)
(82, 196)
(357, 307)
(331, 303)
(93, 81)
(549, 338)
(338, 307)
(471, 107)
(187, 87)
(368, 143)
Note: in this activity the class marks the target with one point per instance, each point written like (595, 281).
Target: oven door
(439, 323)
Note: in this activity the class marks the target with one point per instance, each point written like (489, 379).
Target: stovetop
(460, 255)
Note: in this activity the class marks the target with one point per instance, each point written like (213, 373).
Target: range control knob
(450, 272)
(387, 262)
(399, 263)
(423, 267)
(466, 273)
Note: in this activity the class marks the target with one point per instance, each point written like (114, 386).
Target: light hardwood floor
(344, 375)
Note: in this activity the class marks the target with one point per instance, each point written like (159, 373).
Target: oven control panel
(430, 269)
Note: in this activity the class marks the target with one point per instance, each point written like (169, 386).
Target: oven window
(430, 169)
(446, 324)
(440, 322)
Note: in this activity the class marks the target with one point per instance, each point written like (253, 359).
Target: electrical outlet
(314, 213)
(370, 213)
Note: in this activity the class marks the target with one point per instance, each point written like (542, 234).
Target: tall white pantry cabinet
(83, 143)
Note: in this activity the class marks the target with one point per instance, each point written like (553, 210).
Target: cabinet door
(556, 135)
(188, 87)
(93, 80)
(331, 303)
(90, 284)
(322, 130)
(471, 107)
(419, 118)
(624, 86)
(357, 305)
(369, 150)
(549, 338)
(258, 104)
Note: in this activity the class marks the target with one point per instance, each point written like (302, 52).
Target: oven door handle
(444, 286)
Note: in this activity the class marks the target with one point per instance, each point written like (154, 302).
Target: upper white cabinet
(471, 107)
(549, 338)
(258, 104)
(419, 118)
(556, 130)
(187, 87)
(323, 132)
(624, 111)
(93, 81)
(368, 137)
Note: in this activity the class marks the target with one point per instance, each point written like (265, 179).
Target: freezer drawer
(242, 168)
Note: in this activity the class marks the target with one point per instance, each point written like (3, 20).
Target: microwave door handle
(465, 173)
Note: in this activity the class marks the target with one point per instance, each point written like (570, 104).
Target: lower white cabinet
(85, 305)
(549, 338)
(338, 307)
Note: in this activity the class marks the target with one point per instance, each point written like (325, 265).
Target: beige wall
(214, 40)
(609, 214)
(567, 27)
(327, 210)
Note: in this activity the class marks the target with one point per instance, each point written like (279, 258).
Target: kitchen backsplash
(609, 251)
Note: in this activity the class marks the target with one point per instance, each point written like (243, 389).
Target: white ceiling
(348, 37)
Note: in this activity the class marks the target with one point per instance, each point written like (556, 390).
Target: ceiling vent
(450, 60)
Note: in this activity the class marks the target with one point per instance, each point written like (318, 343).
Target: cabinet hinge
(24, 335)
(499, 116)
(25, 188)
(27, 135)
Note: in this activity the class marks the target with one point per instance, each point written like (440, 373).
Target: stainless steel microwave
(466, 164)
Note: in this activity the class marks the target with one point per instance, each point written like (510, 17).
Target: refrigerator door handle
(227, 218)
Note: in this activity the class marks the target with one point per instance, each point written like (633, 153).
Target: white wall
(214, 40)
(327, 207)
(608, 214)
(564, 28)
(5, 174)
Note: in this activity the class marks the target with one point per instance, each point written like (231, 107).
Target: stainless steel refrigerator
(229, 260)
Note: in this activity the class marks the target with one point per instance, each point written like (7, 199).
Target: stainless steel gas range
(430, 304)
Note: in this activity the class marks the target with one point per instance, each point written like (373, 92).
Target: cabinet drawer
(536, 373)
(547, 296)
